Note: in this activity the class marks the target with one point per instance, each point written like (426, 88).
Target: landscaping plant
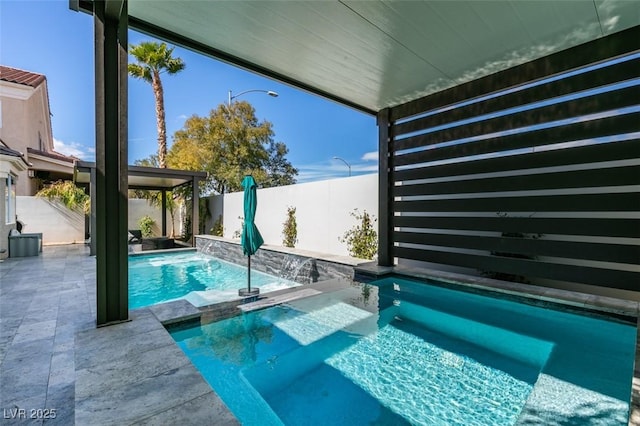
(146, 226)
(68, 194)
(362, 239)
(290, 231)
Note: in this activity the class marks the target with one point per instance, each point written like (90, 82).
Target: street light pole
(345, 162)
(232, 96)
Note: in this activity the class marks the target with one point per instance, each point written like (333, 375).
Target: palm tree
(152, 60)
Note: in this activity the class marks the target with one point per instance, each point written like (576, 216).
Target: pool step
(278, 299)
(316, 324)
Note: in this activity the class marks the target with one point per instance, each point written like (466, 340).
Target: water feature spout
(299, 269)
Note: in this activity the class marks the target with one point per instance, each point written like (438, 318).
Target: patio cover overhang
(149, 178)
(374, 56)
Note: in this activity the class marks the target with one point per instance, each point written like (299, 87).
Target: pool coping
(181, 310)
(162, 251)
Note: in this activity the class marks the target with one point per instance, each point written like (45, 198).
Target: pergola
(523, 107)
(150, 179)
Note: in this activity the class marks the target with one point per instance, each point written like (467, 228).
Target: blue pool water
(399, 352)
(198, 277)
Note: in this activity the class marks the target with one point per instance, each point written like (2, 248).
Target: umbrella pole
(249, 274)
(245, 292)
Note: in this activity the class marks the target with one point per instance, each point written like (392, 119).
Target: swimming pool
(197, 277)
(401, 352)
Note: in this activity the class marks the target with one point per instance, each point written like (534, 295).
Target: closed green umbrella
(251, 239)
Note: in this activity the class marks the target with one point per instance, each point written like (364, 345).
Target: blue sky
(48, 38)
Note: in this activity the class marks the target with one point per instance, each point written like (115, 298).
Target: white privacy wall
(59, 225)
(139, 208)
(322, 211)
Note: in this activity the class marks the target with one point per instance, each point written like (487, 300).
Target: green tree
(278, 169)
(229, 144)
(150, 161)
(154, 59)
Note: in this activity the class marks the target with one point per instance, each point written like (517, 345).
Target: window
(10, 199)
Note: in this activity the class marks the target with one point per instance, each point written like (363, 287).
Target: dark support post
(92, 214)
(195, 211)
(164, 211)
(110, 27)
(385, 185)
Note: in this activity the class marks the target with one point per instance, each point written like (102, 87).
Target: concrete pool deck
(52, 357)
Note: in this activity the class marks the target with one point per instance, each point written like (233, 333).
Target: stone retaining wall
(301, 267)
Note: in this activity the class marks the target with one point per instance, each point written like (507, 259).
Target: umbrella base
(245, 292)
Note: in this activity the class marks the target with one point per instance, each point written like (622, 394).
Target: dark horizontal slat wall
(548, 191)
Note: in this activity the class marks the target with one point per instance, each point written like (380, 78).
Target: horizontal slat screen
(531, 178)
(599, 227)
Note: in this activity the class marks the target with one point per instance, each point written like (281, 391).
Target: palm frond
(138, 71)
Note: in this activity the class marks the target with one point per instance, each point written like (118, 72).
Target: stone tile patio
(44, 301)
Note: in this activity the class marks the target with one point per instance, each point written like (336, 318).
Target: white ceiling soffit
(377, 54)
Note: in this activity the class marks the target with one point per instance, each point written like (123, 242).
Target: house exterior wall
(10, 165)
(4, 227)
(26, 123)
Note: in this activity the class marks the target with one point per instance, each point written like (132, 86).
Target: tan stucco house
(25, 127)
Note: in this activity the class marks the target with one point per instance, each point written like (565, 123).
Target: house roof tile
(26, 78)
(8, 151)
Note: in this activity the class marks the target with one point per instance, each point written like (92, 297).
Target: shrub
(68, 194)
(362, 239)
(146, 226)
(290, 230)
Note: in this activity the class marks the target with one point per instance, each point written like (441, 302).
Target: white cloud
(370, 156)
(74, 149)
